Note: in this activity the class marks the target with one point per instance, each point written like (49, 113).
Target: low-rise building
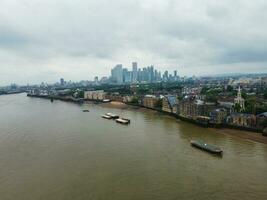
(114, 97)
(150, 101)
(65, 92)
(187, 107)
(94, 95)
(204, 108)
(242, 119)
(192, 108)
(218, 116)
(227, 105)
(169, 103)
(262, 120)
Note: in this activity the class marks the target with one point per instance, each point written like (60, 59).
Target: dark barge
(206, 147)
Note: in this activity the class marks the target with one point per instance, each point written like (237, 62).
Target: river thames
(55, 151)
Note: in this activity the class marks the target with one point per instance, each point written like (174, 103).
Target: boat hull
(113, 116)
(106, 117)
(123, 121)
(206, 147)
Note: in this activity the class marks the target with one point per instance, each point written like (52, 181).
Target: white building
(95, 95)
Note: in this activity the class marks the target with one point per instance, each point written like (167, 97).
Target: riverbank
(231, 130)
(65, 98)
(12, 92)
(247, 135)
(235, 132)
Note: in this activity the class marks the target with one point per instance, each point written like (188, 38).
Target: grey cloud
(244, 55)
(11, 39)
(93, 35)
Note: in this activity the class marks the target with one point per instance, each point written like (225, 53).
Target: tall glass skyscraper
(134, 72)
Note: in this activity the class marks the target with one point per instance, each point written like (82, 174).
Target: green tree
(250, 105)
(237, 107)
(134, 100)
(212, 97)
(260, 109)
(229, 88)
(204, 90)
(244, 95)
(80, 94)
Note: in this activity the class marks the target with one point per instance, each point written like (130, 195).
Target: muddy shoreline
(247, 135)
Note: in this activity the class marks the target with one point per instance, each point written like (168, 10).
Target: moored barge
(123, 121)
(206, 147)
(113, 116)
(106, 117)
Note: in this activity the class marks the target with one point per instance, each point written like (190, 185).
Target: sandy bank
(256, 137)
(115, 104)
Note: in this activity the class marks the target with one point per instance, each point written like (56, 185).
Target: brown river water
(54, 151)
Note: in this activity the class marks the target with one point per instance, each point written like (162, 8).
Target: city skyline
(46, 40)
(149, 74)
(162, 76)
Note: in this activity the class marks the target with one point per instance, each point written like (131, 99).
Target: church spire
(239, 99)
(239, 92)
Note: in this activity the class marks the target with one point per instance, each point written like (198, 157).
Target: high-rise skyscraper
(165, 76)
(96, 80)
(151, 74)
(175, 77)
(139, 75)
(127, 75)
(134, 72)
(116, 74)
(62, 82)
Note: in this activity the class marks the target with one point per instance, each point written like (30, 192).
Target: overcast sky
(44, 40)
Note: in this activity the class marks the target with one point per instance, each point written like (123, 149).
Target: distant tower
(62, 82)
(166, 76)
(117, 74)
(175, 73)
(239, 99)
(96, 79)
(134, 72)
